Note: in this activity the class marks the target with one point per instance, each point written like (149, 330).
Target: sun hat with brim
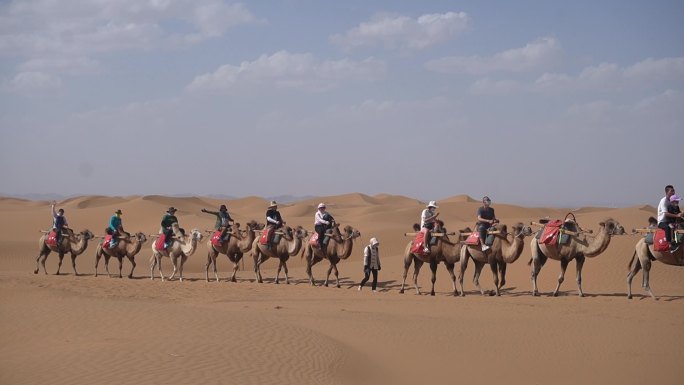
(118, 211)
(321, 205)
(374, 241)
(433, 204)
(171, 210)
(272, 204)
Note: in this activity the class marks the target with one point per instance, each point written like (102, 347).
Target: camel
(641, 259)
(581, 245)
(290, 244)
(501, 253)
(339, 247)
(236, 246)
(75, 244)
(181, 247)
(443, 251)
(126, 247)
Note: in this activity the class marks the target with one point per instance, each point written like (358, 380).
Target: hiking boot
(485, 247)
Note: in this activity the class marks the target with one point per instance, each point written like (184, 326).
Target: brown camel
(183, 246)
(339, 247)
(444, 250)
(641, 259)
(75, 244)
(237, 245)
(289, 245)
(501, 253)
(579, 247)
(126, 247)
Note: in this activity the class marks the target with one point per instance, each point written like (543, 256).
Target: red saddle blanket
(265, 234)
(660, 242)
(51, 238)
(551, 232)
(106, 243)
(418, 243)
(216, 238)
(313, 241)
(159, 244)
(473, 239)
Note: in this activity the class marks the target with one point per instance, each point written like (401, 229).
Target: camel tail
(629, 267)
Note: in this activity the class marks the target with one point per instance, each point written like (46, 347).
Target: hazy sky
(530, 102)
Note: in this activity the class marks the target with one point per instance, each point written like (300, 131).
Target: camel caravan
(490, 243)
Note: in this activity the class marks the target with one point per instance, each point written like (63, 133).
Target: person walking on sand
(371, 263)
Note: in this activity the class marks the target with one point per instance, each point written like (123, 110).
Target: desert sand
(84, 329)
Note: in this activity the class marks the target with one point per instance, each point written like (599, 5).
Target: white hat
(374, 241)
(273, 204)
(321, 205)
(433, 204)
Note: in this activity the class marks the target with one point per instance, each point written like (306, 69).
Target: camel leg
(433, 268)
(647, 272)
(132, 259)
(59, 266)
(337, 275)
(73, 263)
(632, 272)
(580, 263)
(120, 258)
(450, 269)
(280, 267)
(495, 272)
(561, 277)
(174, 262)
(416, 270)
(206, 267)
(476, 276)
(287, 276)
(45, 251)
(327, 277)
(502, 271)
(98, 255)
(407, 265)
(180, 269)
(236, 266)
(153, 264)
(537, 263)
(309, 264)
(256, 256)
(464, 265)
(158, 263)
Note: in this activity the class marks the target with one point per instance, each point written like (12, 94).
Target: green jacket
(168, 220)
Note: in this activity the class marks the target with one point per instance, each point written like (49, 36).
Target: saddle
(550, 234)
(107, 242)
(660, 242)
(265, 236)
(159, 244)
(216, 238)
(418, 243)
(51, 238)
(473, 239)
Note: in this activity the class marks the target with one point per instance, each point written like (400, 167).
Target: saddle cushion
(159, 244)
(313, 241)
(418, 243)
(551, 232)
(216, 238)
(106, 243)
(265, 236)
(660, 242)
(51, 238)
(473, 239)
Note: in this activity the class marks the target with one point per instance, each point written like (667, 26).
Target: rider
(59, 222)
(273, 220)
(322, 222)
(116, 228)
(485, 220)
(664, 216)
(673, 208)
(223, 221)
(428, 217)
(166, 224)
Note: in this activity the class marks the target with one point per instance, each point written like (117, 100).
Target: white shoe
(359, 287)
(485, 247)
(375, 291)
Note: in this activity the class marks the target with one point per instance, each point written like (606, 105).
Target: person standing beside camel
(371, 264)
(485, 219)
(223, 221)
(322, 222)
(116, 228)
(274, 221)
(428, 217)
(59, 222)
(664, 216)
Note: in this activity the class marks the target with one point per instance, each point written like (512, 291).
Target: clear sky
(536, 103)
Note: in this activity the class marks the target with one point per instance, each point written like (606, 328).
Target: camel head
(611, 226)
(87, 235)
(197, 235)
(301, 232)
(141, 237)
(351, 232)
(416, 227)
(521, 230)
(287, 233)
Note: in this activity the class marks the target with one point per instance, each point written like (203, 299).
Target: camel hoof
(35, 271)
(277, 282)
(555, 294)
(130, 276)
(581, 295)
(629, 297)
(401, 291)
(287, 282)
(432, 293)
(337, 286)
(535, 294)
(325, 284)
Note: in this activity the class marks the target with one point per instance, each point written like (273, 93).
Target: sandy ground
(84, 329)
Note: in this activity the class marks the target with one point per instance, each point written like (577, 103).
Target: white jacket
(371, 257)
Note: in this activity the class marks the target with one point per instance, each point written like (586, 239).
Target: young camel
(501, 253)
(290, 244)
(75, 244)
(339, 247)
(641, 259)
(236, 246)
(126, 247)
(580, 246)
(183, 246)
(444, 250)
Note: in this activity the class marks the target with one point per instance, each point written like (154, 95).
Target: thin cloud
(33, 82)
(289, 70)
(403, 32)
(532, 56)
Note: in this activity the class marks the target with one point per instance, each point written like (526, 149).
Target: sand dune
(85, 329)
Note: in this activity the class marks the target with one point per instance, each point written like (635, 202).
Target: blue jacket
(114, 222)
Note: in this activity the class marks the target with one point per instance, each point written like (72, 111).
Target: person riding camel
(274, 221)
(59, 222)
(485, 219)
(166, 224)
(223, 221)
(322, 222)
(428, 217)
(116, 228)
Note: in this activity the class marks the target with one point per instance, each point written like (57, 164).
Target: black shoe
(673, 249)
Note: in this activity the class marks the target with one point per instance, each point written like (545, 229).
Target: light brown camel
(125, 247)
(445, 250)
(578, 248)
(290, 244)
(183, 246)
(339, 247)
(238, 244)
(501, 253)
(75, 244)
(641, 259)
